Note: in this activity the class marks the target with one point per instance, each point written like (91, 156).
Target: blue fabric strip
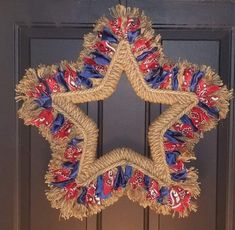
(60, 80)
(171, 157)
(68, 164)
(74, 141)
(84, 81)
(213, 111)
(178, 176)
(74, 168)
(173, 136)
(89, 72)
(108, 36)
(164, 191)
(57, 123)
(175, 79)
(146, 182)
(99, 189)
(156, 77)
(119, 180)
(128, 173)
(142, 56)
(155, 73)
(82, 197)
(132, 35)
(74, 171)
(195, 79)
(44, 101)
(186, 120)
(100, 59)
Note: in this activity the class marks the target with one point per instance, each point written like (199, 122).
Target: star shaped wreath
(80, 184)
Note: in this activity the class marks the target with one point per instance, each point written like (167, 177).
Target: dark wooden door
(34, 32)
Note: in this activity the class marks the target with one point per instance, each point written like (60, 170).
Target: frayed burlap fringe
(122, 60)
(70, 208)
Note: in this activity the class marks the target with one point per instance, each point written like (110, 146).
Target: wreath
(79, 184)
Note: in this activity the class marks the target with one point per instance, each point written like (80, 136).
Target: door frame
(225, 157)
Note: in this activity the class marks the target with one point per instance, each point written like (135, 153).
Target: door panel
(124, 214)
(123, 120)
(201, 52)
(47, 51)
(123, 125)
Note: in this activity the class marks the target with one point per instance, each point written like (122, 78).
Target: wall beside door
(34, 32)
